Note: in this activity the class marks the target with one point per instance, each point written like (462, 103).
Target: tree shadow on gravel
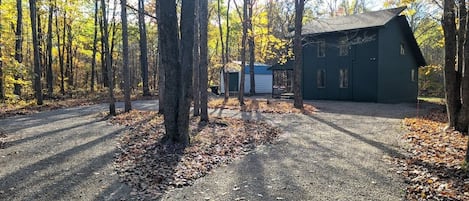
(45, 134)
(379, 145)
(17, 124)
(386, 110)
(28, 179)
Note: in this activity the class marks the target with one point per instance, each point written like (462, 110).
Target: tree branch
(145, 13)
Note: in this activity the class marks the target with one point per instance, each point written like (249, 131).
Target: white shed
(262, 78)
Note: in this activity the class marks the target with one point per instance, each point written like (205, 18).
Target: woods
(59, 49)
(75, 68)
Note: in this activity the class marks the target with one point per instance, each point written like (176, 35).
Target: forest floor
(338, 151)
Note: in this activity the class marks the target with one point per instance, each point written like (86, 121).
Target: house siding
(360, 63)
(394, 78)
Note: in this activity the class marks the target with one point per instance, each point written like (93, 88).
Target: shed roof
(259, 69)
(358, 21)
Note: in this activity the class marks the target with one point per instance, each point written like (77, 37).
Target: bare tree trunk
(112, 106)
(252, 59)
(161, 71)
(125, 47)
(298, 50)
(227, 38)
(103, 54)
(40, 37)
(18, 43)
(169, 50)
(450, 75)
(243, 53)
(69, 62)
(224, 72)
(203, 19)
(95, 44)
(60, 53)
(187, 47)
(50, 76)
(196, 63)
(461, 38)
(37, 66)
(462, 81)
(143, 48)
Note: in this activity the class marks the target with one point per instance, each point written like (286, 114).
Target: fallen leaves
(30, 107)
(433, 169)
(152, 167)
(260, 105)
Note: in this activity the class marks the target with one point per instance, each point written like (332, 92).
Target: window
(321, 78)
(343, 46)
(402, 49)
(343, 78)
(413, 76)
(322, 48)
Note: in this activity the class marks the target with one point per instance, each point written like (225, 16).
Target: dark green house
(371, 57)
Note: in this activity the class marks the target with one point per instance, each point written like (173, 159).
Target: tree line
(62, 48)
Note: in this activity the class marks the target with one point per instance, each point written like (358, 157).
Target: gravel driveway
(336, 154)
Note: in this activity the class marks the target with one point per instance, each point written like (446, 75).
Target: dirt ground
(338, 153)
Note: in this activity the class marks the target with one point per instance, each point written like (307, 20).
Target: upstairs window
(321, 78)
(402, 49)
(321, 48)
(343, 78)
(343, 46)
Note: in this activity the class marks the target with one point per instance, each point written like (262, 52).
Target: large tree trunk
(451, 90)
(18, 43)
(203, 19)
(161, 73)
(298, 51)
(187, 47)
(112, 106)
(252, 55)
(37, 66)
(95, 44)
(196, 63)
(243, 53)
(50, 76)
(161, 85)
(143, 48)
(125, 48)
(169, 51)
(462, 123)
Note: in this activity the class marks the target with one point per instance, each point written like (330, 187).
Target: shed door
(233, 79)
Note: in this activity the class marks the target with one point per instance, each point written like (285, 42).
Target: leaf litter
(152, 167)
(261, 105)
(433, 168)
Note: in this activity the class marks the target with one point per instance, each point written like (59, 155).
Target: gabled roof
(358, 21)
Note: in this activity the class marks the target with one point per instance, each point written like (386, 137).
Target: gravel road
(336, 154)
